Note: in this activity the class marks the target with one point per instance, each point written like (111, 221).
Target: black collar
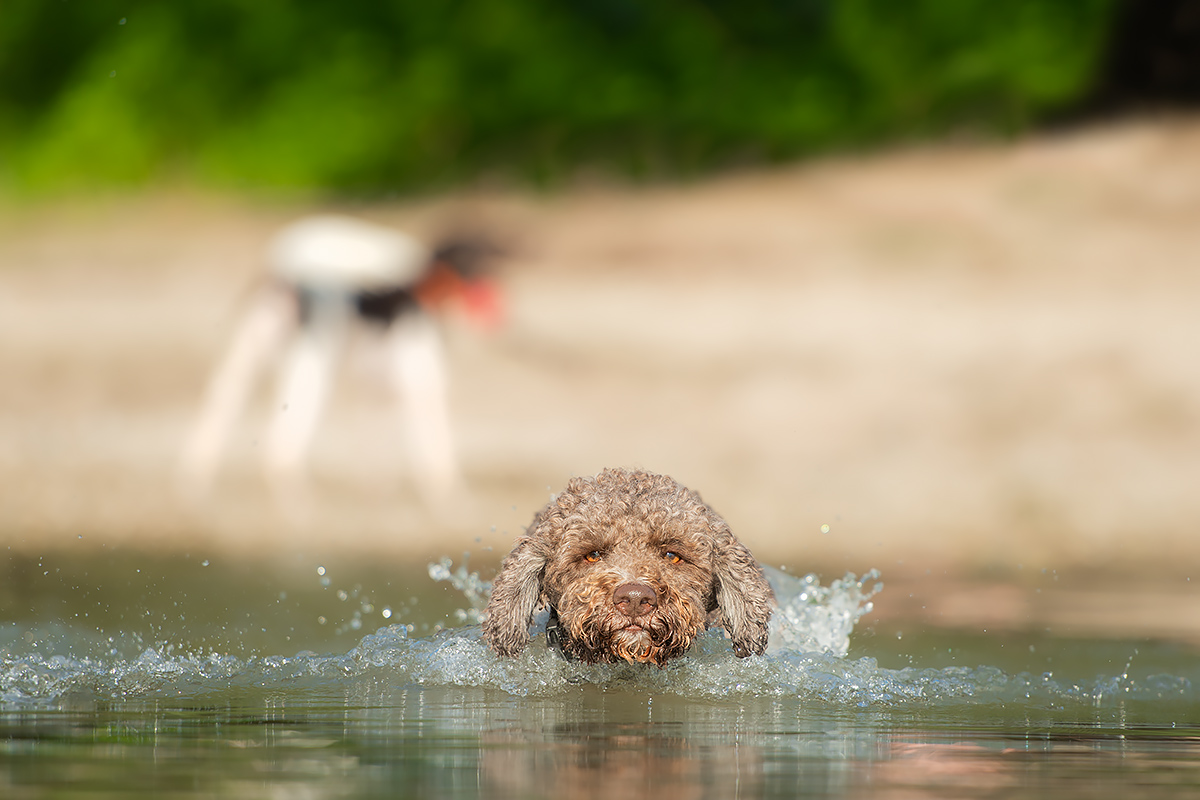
(555, 635)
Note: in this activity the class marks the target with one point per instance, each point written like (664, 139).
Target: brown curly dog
(633, 566)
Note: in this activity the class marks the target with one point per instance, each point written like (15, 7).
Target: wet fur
(632, 519)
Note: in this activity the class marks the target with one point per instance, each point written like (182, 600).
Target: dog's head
(634, 566)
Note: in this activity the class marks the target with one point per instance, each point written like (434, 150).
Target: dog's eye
(674, 558)
(593, 556)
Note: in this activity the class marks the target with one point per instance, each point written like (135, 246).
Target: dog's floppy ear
(516, 592)
(743, 595)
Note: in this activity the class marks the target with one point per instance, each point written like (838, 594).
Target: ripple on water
(807, 661)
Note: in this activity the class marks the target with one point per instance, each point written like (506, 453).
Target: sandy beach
(969, 358)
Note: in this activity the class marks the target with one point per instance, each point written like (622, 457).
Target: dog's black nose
(635, 599)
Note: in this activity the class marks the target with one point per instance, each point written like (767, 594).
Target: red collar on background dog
(479, 297)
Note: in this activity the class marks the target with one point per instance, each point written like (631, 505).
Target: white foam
(805, 662)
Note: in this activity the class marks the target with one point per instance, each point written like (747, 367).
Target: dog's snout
(635, 599)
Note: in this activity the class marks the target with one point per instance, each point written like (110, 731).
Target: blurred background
(910, 285)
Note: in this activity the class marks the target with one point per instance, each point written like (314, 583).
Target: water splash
(806, 662)
(475, 590)
(813, 618)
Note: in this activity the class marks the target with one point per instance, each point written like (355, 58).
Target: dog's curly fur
(625, 531)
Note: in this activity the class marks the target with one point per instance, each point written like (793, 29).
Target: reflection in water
(474, 743)
(596, 762)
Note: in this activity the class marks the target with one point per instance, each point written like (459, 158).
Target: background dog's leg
(303, 389)
(419, 378)
(259, 335)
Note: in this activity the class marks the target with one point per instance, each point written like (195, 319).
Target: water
(127, 675)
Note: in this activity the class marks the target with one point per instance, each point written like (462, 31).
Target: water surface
(128, 675)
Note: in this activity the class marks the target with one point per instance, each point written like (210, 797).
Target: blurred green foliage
(387, 95)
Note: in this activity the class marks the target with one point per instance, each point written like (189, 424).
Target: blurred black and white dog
(326, 275)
